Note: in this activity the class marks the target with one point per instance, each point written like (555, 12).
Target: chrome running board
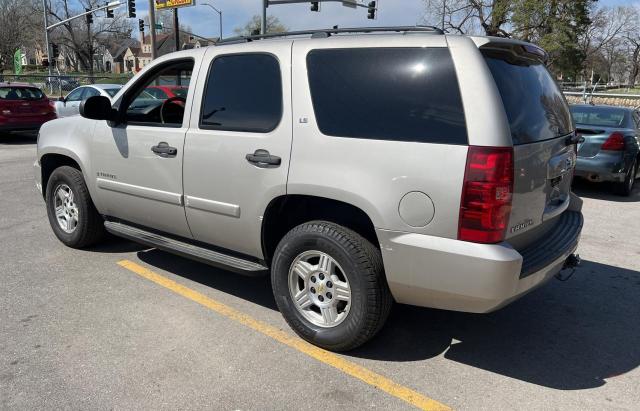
(195, 252)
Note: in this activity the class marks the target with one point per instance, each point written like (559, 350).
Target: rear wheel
(72, 215)
(626, 187)
(329, 284)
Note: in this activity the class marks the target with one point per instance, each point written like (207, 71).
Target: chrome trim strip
(138, 191)
(217, 207)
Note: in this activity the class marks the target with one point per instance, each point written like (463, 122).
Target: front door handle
(164, 150)
(261, 158)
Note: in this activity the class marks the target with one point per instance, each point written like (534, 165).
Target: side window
(157, 93)
(90, 92)
(75, 95)
(400, 94)
(243, 93)
(144, 108)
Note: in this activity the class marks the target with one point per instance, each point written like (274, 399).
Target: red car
(24, 107)
(165, 92)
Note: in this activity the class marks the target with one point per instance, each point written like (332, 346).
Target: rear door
(541, 129)
(237, 149)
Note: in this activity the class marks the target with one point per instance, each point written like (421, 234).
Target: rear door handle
(164, 150)
(261, 158)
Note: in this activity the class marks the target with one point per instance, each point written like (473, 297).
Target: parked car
(64, 83)
(165, 92)
(425, 168)
(609, 148)
(69, 105)
(23, 107)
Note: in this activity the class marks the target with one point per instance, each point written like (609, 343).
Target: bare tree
(488, 17)
(20, 27)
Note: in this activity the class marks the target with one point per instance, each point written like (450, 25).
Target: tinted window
(243, 93)
(75, 95)
(600, 116)
(90, 92)
(20, 93)
(534, 104)
(404, 94)
(112, 91)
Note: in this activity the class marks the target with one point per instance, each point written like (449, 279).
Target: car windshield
(598, 116)
(20, 93)
(112, 91)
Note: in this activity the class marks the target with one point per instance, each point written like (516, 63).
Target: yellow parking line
(348, 367)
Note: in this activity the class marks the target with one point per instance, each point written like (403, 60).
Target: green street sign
(158, 26)
(17, 61)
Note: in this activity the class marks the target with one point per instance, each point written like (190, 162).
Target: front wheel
(329, 285)
(72, 215)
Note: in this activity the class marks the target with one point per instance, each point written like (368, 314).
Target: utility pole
(46, 35)
(176, 28)
(152, 28)
(444, 11)
(263, 24)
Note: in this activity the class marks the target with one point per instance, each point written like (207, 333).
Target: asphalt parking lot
(121, 326)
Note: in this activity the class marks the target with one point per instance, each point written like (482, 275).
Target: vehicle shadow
(603, 191)
(16, 139)
(566, 335)
(254, 289)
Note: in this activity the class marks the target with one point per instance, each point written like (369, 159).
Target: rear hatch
(23, 104)
(541, 131)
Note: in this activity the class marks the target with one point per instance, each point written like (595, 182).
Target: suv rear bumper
(456, 275)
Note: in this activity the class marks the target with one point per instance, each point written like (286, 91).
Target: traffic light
(55, 51)
(141, 25)
(371, 14)
(131, 6)
(109, 13)
(89, 17)
(315, 6)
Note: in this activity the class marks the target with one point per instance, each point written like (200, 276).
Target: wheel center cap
(321, 288)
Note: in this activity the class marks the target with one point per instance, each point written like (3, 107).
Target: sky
(204, 21)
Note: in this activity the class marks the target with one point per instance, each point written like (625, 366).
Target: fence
(61, 84)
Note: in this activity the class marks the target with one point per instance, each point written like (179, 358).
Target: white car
(70, 105)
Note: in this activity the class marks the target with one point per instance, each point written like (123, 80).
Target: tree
(255, 23)
(20, 27)
(79, 37)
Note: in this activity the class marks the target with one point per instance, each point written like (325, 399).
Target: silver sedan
(70, 105)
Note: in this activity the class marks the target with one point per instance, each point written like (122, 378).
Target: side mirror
(97, 108)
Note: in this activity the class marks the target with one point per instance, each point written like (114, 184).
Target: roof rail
(328, 32)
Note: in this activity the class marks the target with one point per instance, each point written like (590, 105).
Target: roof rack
(323, 33)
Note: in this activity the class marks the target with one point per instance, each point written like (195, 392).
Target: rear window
(401, 94)
(599, 116)
(20, 93)
(534, 104)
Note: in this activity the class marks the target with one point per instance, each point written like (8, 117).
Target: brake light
(615, 142)
(486, 194)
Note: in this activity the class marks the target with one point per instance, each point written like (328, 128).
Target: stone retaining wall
(609, 101)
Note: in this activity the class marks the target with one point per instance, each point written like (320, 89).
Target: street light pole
(219, 14)
(152, 29)
(263, 23)
(46, 34)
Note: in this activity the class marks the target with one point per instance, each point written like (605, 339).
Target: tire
(626, 187)
(356, 262)
(89, 225)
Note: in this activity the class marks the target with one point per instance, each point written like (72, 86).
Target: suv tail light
(486, 194)
(615, 142)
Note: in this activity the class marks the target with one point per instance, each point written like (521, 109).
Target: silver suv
(359, 169)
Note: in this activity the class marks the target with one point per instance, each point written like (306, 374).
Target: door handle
(164, 150)
(261, 158)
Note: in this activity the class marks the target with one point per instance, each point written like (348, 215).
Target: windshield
(20, 93)
(598, 116)
(112, 91)
(534, 104)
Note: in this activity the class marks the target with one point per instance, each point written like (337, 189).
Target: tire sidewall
(292, 246)
(63, 176)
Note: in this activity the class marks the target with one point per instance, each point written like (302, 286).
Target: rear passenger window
(243, 93)
(401, 94)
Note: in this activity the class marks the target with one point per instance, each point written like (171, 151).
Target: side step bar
(204, 255)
